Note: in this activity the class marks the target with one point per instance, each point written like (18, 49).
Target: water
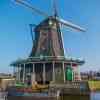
(94, 96)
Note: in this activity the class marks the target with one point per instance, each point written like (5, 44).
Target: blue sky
(15, 40)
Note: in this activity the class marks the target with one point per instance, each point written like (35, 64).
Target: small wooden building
(5, 81)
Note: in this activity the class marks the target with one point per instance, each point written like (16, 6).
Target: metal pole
(53, 71)
(64, 71)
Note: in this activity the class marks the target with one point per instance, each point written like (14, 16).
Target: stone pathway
(2, 96)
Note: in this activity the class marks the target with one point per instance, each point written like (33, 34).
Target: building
(47, 61)
(6, 80)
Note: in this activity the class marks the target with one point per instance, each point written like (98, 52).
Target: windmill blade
(29, 6)
(61, 21)
(71, 25)
(31, 31)
(55, 12)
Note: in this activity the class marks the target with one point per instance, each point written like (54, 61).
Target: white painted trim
(33, 75)
(24, 73)
(64, 72)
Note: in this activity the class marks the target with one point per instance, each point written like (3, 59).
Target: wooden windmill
(47, 61)
(48, 37)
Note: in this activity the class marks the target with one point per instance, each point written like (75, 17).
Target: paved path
(2, 95)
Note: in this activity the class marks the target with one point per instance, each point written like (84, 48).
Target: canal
(94, 96)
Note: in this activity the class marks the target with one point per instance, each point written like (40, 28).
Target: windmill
(50, 44)
(47, 61)
(47, 69)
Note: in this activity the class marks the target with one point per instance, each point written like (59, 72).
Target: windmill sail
(61, 21)
(48, 38)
